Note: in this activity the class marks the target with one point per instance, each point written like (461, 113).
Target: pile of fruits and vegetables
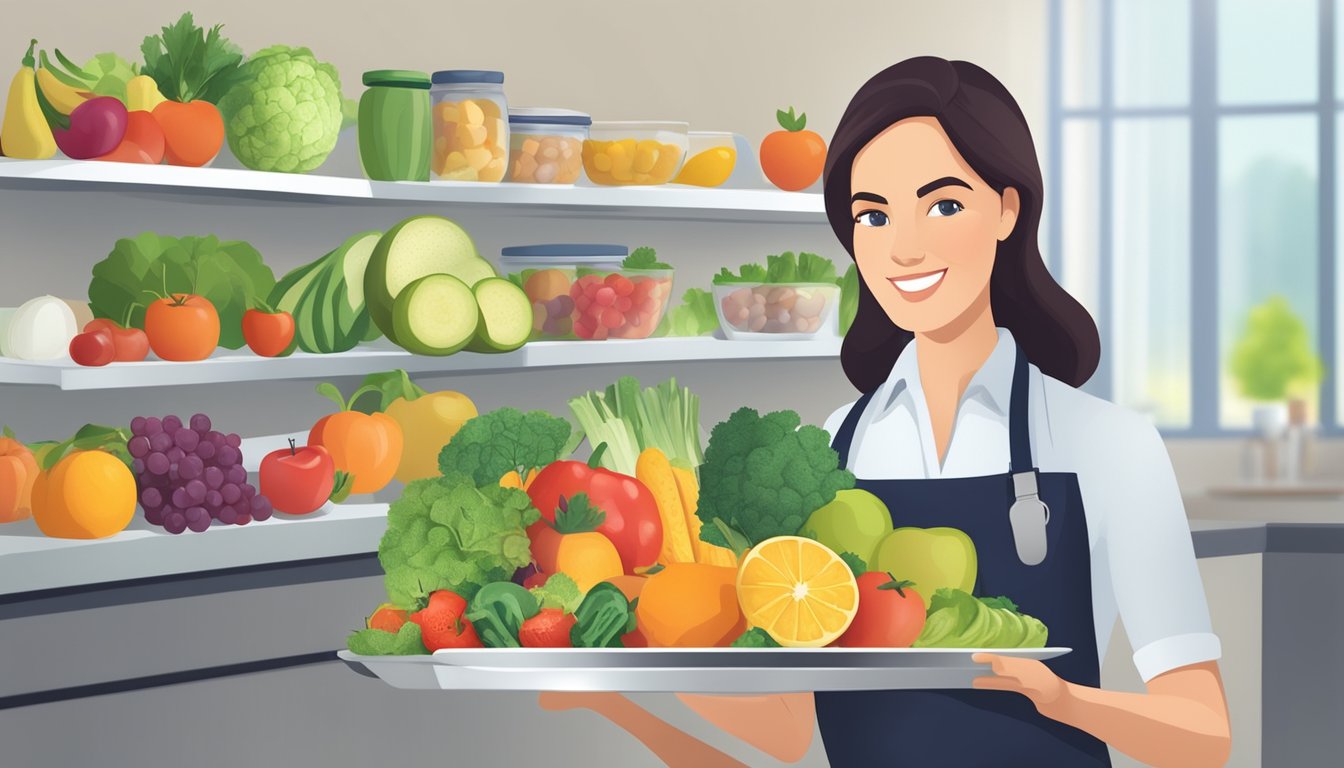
(757, 539)
(281, 109)
(186, 475)
(422, 284)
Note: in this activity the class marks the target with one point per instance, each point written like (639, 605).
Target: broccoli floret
(755, 638)
(491, 445)
(762, 477)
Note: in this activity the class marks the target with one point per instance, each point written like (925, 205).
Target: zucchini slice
(435, 315)
(506, 316)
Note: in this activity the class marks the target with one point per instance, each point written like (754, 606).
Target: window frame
(1204, 114)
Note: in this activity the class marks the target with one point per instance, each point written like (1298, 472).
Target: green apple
(855, 521)
(933, 558)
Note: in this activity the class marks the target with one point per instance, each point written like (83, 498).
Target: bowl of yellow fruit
(635, 152)
(710, 160)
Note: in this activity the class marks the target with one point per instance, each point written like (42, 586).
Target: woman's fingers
(998, 684)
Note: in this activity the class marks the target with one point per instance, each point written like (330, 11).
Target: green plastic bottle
(395, 133)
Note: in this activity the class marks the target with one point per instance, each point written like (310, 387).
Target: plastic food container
(620, 303)
(471, 129)
(780, 311)
(547, 274)
(710, 160)
(546, 145)
(394, 125)
(624, 153)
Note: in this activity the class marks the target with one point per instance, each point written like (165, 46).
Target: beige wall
(720, 64)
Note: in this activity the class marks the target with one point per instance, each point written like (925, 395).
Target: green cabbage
(285, 112)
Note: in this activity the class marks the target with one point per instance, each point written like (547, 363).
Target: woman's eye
(946, 208)
(872, 219)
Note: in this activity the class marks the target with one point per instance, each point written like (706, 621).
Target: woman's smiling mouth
(918, 287)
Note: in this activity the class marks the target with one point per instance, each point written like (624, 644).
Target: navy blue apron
(971, 728)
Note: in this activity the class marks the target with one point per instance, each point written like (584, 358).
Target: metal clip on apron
(1032, 546)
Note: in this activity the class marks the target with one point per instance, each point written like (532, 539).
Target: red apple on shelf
(297, 480)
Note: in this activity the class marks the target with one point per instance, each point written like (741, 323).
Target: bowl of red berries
(624, 303)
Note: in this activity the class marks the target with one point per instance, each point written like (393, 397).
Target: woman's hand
(1029, 677)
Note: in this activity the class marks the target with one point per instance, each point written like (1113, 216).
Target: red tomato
(132, 344)
(443, 623)
(92, 349)
(297, 480)
(891, 614)
(548, 629)
(268, 333)
(632, 522)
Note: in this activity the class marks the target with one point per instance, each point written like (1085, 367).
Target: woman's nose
(905, 255)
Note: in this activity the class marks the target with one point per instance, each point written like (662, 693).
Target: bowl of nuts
(778, 311)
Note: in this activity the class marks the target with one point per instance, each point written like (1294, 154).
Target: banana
(24, 132)
(142, 94)
(61, 96)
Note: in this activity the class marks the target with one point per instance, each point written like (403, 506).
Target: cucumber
(285, 296)
(434, 315)
(326, 297)
(415, 248)
(506, 316)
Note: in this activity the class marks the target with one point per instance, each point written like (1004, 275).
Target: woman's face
(926, 226)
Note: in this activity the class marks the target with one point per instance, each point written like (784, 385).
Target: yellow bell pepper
(142, 94)
(25, 133)
(428, 420)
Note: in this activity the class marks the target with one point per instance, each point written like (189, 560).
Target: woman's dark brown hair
(988, 129)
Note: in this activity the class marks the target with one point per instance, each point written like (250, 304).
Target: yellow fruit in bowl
(86, 495)
(710, 168)
(798, 591)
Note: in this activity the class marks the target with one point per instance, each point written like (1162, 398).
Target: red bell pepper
(632, 521)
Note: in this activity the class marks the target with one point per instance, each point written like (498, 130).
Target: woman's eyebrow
(946, 181)
(869, 197)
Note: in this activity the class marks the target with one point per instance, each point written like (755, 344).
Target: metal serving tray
(696, 670)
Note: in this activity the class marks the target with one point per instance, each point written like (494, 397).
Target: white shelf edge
(230, 366)
(664, 201)
(31, 562)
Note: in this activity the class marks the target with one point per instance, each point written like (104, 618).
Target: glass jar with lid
(394, 125)
(471, 127)
(546, 145)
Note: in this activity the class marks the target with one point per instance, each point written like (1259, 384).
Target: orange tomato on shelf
(793, 158)
(268, 334)
(18, 472)
(368, 446)
(182, 327)
(193, 133)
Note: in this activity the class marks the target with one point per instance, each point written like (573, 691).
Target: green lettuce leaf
(230, 274)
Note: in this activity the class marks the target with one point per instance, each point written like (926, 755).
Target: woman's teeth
(921, 283)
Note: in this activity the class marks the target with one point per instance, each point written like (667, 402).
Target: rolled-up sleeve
(1154, 576)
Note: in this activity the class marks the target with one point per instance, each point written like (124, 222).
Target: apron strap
(1019, 435)
(840, 443)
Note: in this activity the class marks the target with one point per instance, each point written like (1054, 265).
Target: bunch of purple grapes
(189, 475)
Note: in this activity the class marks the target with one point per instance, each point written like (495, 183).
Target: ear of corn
(689, 491)
(654, 470)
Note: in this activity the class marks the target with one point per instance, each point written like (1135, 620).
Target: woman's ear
(1011, 206)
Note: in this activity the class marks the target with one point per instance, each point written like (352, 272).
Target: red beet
(96, 128)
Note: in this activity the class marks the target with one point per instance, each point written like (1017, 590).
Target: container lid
(463, 76)
(548, 116)
(397, 78)
(562, 253)
(648, 125)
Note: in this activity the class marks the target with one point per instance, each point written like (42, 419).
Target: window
(1193, 163)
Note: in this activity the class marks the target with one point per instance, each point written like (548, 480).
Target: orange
(690, 605)
(797, 590)
(18, 472)
(87, 495)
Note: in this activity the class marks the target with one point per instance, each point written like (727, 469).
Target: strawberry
(443, 623)
(548, 629)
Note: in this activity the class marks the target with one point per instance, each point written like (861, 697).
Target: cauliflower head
(285, 112)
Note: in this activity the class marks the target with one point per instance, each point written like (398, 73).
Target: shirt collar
(991, 385)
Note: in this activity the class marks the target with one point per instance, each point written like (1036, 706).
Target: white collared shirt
(1143, 561)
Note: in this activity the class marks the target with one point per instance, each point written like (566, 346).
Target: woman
(968, 355)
